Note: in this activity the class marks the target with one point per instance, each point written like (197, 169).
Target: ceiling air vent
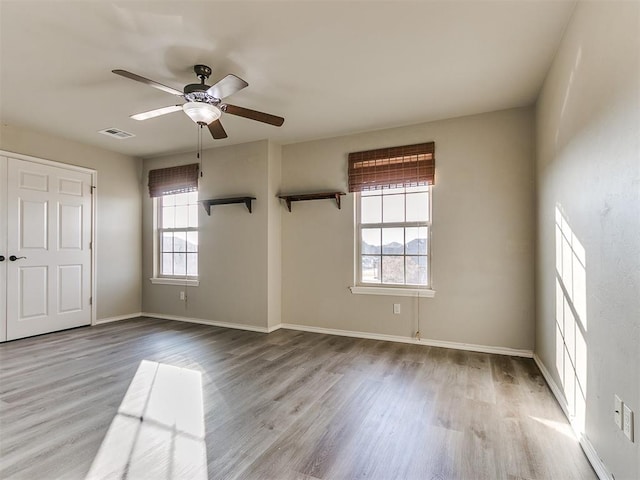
(116, 133)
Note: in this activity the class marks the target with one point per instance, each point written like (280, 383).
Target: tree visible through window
(178, 235)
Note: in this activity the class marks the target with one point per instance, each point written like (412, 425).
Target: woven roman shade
(172, 180)
(393, 167)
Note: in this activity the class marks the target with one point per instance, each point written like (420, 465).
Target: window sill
(175, 281)
(394, 291)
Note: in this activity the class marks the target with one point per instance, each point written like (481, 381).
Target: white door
(3, 248)
(48, 248)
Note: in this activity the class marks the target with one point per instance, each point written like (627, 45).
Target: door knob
(1, 258)
(13, 258)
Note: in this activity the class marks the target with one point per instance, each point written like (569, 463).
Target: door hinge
(92, 188)
(90, 300)
(90, 245)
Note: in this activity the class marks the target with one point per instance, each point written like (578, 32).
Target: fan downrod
(196, 91)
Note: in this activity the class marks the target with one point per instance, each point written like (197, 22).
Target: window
(175, 201)
(393, 233)
(177, 230)
(393, 217)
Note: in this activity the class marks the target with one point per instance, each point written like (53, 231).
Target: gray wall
(588, 267)
(118, 236)
(235, 246)
(482, 239)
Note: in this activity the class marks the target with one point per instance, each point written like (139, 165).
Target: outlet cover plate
(617, 411)
(627, 422)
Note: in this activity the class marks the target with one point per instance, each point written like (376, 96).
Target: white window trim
(393, 291)
(361, 288)
(187, 282)
(161, 280)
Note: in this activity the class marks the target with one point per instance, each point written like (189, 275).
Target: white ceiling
(329, 67)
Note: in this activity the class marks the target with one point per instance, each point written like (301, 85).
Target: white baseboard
(117, 319)
(557, 391)
(594, 459)
(213, 323)
(588, 448)
(424, 341)
(333, 331)
(348, 333)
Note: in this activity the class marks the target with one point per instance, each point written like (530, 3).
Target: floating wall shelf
(311, 196)
(226, 201)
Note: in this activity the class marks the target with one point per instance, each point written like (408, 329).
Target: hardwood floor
(289, 405)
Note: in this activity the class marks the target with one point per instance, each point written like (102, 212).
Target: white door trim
(52, 163)
(94, 183)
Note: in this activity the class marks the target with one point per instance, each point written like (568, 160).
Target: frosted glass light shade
(201, 112)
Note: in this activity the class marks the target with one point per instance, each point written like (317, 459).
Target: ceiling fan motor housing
(197, 92)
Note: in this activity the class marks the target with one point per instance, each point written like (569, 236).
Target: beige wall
(234, 245)
(588, 138)
(482, 239)
(273, 266)
(274, 247)
(118, 237)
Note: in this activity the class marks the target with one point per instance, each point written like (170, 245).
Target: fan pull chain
(418, 331)
(199, 152)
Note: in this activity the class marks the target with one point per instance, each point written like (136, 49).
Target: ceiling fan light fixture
(201, 112)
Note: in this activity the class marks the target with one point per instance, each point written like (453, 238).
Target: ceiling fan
(204, 102)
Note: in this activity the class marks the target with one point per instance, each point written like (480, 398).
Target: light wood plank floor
(289, 405)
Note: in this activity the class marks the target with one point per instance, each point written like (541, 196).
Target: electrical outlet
(396, 308)
(627, 422)
(183, 296)
(617, 411)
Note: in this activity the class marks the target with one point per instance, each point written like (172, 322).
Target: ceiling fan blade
(146, 81)
(252, 114)
(227, 86)
(157, 112)
(217, 130)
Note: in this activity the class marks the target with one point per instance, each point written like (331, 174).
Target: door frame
(94, 196)
(4, 271)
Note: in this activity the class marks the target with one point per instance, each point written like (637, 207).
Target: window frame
(397, 289)
(158, 230)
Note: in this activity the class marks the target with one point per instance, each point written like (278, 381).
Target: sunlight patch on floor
(560, 427)
(158, 431)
